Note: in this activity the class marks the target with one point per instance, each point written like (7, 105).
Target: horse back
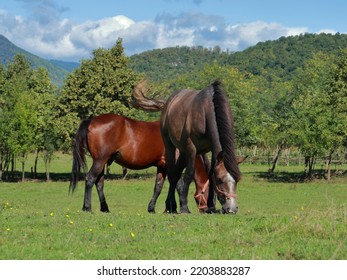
(185, 116)
(131, 143)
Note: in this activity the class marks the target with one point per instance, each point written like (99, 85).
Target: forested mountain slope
(57, 70)
(280, 57)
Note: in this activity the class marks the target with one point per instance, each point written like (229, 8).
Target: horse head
(225, 186)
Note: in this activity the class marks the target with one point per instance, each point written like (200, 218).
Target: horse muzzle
(230, 206)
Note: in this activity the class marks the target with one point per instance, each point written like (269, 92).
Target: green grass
(276, 220)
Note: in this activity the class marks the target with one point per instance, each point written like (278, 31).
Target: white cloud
(64, 39)
(94, 34)
(244, 35)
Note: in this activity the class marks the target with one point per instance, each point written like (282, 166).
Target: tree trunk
(47, 160)
(47, 164)
(274, 163)
(328, 166)
(23, 171)
(35, 164)
(309, 163)
(1, 168)
(13, 163)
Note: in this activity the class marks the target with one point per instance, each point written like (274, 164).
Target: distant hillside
(57, 70)
(67, 65)
(161, 64)
(280, 57)
(283, 56)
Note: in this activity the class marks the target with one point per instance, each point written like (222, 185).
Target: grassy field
(279, 218)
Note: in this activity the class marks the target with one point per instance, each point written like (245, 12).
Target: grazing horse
(197, 122)
(130, 143)
(202, 183)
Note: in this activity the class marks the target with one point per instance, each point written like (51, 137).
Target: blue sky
(70, 29)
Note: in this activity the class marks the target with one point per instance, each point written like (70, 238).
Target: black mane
(225, 124)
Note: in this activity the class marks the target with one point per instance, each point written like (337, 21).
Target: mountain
(283, 56)
(279, 57)
(57, 69)
(167, 63)
(67, 65)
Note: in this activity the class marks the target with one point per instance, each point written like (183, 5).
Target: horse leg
(182, 189)
(174, 174)
(91, 179)
(202, 167)
(158, 186)
(100, 189)
(211, 200)
(187, 179)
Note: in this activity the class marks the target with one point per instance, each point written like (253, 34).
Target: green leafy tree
(102, 84)
(24, 127)
(318, 121)
(275, 104)
(3, 142)
(337, 101)
(14, 86)
(46, 128)
(27, 96)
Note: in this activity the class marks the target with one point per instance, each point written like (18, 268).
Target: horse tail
(225, 125)
(79, 158)
(143, 102)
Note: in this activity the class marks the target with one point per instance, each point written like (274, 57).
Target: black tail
(79, 158)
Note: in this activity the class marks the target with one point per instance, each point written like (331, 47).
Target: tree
(318, 121)
(102, 84)
(278, 101)
(337, 101)
(3, 142)
(14, 86)
(46, 129)
(24, 127)
(27, 97)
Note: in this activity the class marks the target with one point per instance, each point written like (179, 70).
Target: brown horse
(130, 143)
(202, 183)
(198, 122)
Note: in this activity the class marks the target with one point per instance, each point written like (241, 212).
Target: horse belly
(139, 157)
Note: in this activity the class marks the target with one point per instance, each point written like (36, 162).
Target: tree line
(307, 112)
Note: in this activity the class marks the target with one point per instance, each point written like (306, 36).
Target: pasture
(278, 218)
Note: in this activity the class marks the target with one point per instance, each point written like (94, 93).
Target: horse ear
(220, 156)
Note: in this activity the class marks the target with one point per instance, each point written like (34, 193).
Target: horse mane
(225, 125)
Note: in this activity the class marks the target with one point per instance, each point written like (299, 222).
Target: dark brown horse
(130, 143)
(198, 122)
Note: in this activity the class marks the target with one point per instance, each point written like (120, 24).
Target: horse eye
(219, 181)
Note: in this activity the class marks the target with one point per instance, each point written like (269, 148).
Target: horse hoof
(203, 211)
(185, 211)
(151, 209)
(170, 211)
(212, 211)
